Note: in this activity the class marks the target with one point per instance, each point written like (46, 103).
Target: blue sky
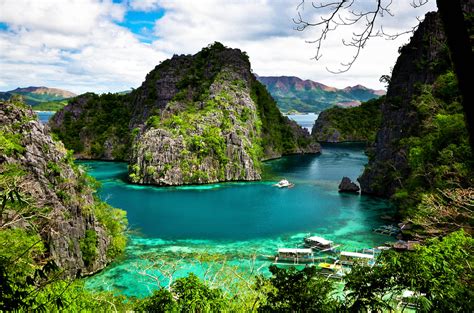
(105, 45)
(142, 23)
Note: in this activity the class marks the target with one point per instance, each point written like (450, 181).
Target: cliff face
(195, 119)
(46, 193)
(420, 62)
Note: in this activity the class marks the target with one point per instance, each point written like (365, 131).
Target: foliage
(298, 291)
(276, 131)
(11, 194)
(29, 279)
(115, 223)
(29, 283)
(444, 211)
(102, 118)
(439, 157)
(88, 246)
(359, 123)
(18, 249)
(187, 294)
(439, 273)
(10, 143)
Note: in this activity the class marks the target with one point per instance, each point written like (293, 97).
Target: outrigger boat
(349, 258)
(294, 256)
(319, 243)
(284, 183)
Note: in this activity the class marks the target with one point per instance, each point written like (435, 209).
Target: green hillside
(42, 98)
(293, 93)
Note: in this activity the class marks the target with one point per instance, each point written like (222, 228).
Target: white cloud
(66, 17)
(144, 5)
(266, 31)
(81, 50)
(78, 44)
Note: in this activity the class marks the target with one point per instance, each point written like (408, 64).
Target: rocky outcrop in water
(420, 62)
(195, 119)
(51, 196)
(347, 185)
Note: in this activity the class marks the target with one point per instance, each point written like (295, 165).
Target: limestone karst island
(243, 156)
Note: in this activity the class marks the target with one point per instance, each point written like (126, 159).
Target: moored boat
(294, 256)
(284, 183)
(349, 258)
(319, 243)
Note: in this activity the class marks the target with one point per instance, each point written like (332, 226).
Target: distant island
(293, 94)
(40, 98)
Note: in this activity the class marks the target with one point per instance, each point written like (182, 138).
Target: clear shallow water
(236, 221)
(304, 120)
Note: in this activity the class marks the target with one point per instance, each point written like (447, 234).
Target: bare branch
(335, 14)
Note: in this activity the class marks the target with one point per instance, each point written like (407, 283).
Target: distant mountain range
(292, 93)
(35, 96)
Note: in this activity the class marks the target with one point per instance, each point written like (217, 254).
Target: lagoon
(237, 221)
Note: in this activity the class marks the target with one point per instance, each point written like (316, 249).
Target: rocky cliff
(195, 119)
(45, 193)
(420, 63)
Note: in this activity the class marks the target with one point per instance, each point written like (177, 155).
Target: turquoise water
(235, 222)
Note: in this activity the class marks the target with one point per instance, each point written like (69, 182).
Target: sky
(110, 45)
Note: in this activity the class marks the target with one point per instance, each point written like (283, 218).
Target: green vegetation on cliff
(359, 123)
(277, 134)
(51, 223)
(439, 157)
(195, 119)
(103, 120)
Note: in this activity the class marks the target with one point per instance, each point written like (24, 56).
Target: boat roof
(357, 254)
(296, 250)
(321, 240)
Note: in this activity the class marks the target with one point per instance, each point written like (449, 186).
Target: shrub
(89, 247)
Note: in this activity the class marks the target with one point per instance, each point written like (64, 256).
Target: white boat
(349, 258)
(294, 256)
(319, 243)
(284, 183)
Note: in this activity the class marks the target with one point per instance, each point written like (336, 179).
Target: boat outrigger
(319, 243)
(284, 183)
